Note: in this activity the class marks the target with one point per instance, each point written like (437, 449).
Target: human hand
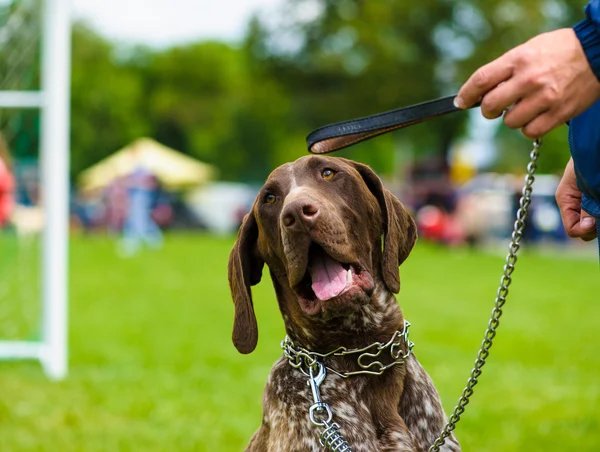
(577, 222)
(542, 83)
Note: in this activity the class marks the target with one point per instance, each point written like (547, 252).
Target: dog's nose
(300, 212)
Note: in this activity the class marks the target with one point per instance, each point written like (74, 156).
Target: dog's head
(329, 232)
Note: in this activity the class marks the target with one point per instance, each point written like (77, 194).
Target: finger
(542, 124)
(483, 79)
(499, 99)
(578, 232)
(568, 199)
(570, 218)
(575, 228)
(523, 113)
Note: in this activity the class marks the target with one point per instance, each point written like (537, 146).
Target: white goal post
(53, 101)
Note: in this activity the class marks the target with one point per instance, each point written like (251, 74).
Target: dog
(333, 238)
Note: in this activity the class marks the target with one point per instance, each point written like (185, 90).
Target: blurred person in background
(549, 80)
(115, 205)
(7, 183)
(140, 227)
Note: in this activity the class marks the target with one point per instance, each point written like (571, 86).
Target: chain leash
(494, 323)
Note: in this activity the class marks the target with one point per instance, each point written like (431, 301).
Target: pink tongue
(328, 277)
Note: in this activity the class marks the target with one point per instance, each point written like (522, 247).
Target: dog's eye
(327, 174)
(270, 198)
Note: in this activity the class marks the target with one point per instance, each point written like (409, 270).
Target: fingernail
(458, 102)
(587, 223)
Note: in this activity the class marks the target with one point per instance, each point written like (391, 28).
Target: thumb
(587, 221)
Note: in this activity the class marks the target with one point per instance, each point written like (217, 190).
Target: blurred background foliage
(246, 107)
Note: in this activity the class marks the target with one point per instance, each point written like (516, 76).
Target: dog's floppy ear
(399, 229)
(245, 270)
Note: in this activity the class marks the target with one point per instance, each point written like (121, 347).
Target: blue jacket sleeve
(588, 32)
(584, 130)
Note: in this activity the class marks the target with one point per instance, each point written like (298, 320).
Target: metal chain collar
(305, 360)
(501, 295)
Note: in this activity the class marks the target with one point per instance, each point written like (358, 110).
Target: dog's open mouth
(329, 280)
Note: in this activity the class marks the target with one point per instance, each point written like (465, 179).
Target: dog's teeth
(349, 276)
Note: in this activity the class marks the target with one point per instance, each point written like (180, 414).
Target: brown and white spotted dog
(333, 237)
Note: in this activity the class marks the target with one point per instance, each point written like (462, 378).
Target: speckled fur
(399, 410)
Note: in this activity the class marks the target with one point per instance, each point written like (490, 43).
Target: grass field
(153, 368)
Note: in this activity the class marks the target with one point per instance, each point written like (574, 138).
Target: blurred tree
(203, 99)
(106, 100)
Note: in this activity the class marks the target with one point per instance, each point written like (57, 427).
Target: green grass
(153, 368)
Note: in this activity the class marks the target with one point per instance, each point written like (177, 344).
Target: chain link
(494, 323)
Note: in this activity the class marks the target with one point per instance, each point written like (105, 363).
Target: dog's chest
(287, 403)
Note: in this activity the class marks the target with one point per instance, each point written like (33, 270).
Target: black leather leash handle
(343, 134)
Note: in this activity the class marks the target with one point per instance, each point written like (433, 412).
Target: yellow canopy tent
(175, 170)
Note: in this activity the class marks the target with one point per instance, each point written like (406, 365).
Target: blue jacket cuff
(587, 32)
(590, 206)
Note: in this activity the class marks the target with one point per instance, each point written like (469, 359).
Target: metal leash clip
(330, 438)
(314, 381)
